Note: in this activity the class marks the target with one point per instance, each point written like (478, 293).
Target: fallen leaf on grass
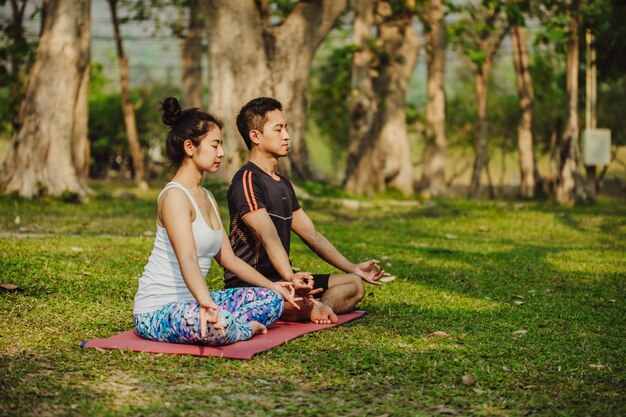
(468, 380)
(387, 279)
(267, 404)
(440, 334)
(10, 288)
(448, 411)
(519, 333)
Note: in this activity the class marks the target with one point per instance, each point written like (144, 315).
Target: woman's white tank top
(162, 282)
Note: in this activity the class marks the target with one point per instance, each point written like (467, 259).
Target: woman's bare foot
(322, 314)
(257, 328)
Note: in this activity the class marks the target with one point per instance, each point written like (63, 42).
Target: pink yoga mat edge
(277, 335)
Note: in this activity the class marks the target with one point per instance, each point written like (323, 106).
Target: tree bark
(267, 61)
(433, 176)
(481, 77)
(566, 183)
(526, 99)
(81, 149)
(18, 67)
(41, 156)
(191, 57)
(128, 110)
(379, 154)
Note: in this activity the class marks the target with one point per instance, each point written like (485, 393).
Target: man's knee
(359, 288)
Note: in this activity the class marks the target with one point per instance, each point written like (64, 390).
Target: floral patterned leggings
(178, 322)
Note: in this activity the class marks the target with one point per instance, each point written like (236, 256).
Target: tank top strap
(173, 184)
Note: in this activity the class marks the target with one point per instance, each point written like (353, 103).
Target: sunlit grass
(531, 297)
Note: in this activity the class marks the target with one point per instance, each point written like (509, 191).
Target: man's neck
(265, 162)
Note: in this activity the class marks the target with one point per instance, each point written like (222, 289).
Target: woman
(173, 303)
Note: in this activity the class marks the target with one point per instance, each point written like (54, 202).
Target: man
(264, 210)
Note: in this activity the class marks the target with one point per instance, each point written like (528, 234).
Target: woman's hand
(210, 314)
(288, 292)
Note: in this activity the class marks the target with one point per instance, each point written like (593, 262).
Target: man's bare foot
(322, 314)
(290, 313)
(257, 328)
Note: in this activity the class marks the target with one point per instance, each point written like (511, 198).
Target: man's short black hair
(254, 116)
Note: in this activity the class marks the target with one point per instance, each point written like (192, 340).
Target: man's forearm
(279, 258)
(330, 254)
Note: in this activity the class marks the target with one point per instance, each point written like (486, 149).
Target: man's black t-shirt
(253, 189)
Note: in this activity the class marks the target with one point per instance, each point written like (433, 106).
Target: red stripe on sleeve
(256, 206)
(245, 190)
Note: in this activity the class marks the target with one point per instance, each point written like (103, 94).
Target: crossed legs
(343, 293)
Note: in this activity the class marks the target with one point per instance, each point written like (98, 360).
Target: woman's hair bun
(171, 111)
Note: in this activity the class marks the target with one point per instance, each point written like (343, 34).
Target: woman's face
(209, 153)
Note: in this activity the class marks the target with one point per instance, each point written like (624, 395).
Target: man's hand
(301, 280)
(370, 271)
(210, 314)
(288, 292)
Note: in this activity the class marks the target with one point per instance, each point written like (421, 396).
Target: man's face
(274, 138)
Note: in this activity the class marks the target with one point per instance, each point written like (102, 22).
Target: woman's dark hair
(190, 124)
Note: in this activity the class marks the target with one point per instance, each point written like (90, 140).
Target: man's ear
(255, 136)
(188, 147)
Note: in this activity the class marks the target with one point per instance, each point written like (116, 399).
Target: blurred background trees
(419, 97)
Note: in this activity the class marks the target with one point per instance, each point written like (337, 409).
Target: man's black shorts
(321, 281)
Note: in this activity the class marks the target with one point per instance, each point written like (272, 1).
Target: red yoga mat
(279, 333)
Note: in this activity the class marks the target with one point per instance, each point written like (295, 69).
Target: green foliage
(330, 88)
(548, 75)
(611, 111)
(502, 108)
(606, 21)
(478, 271)
(478, 29)
(17, 55)
(107, 134)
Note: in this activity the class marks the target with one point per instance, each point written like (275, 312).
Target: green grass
(557, 273)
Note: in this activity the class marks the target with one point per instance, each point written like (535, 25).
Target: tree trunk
(17, 66)
(267, 61)
(433, 176)
(81, 150)
(566, 183)
(380, 157)
(130, 122)
(481, 77)
(526, 99)
(41, 156)
(191, 57)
